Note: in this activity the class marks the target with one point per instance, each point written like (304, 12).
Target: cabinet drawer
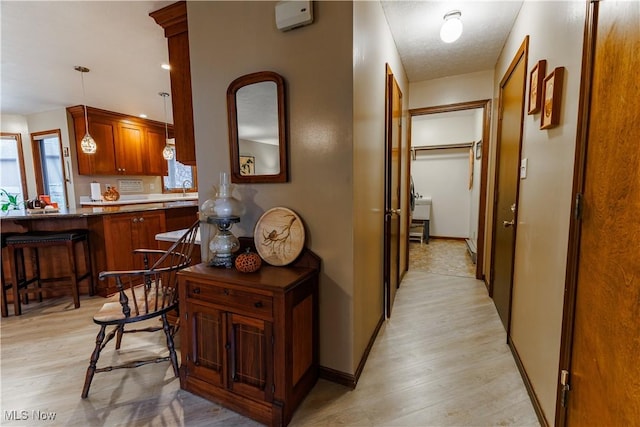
(232, 298)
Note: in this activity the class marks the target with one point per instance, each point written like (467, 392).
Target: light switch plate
(523, 168)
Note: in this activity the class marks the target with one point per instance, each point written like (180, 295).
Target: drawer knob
(258, 304)
(196, 291)
(226, 291)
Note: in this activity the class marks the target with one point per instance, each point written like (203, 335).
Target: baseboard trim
(338, 377)
(351, 380)
(527, 383)
(448, 238)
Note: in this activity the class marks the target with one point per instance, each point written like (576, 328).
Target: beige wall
(373, 48)
(230, 39)
(545, 195)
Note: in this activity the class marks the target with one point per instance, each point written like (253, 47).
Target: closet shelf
(415, 150)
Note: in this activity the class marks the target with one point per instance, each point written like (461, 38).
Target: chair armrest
(104, 274)
(149, 251)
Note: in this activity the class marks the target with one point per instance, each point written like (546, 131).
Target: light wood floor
(440, 361)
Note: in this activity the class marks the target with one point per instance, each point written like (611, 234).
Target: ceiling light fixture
(88, 144)
(451, 29)
(167, 151)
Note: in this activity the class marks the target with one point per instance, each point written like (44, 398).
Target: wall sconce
(451, 29)
(88, 144)
(167, 151)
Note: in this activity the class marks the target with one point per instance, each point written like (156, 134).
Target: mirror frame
(232, 113)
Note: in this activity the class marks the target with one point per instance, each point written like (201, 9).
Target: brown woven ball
(248, 262)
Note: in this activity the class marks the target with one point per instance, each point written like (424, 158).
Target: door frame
(36, 137)
(485, 104)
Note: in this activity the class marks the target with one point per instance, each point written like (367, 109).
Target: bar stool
(35, 241)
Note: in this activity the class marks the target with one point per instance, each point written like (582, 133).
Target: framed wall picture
(247, 165)
(552, 98)
(536, 77)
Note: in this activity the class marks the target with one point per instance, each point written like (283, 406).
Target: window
(181, 177)
(12, 176)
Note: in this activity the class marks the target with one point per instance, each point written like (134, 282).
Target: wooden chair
(142, 295)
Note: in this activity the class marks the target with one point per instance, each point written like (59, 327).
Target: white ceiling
(124, 48)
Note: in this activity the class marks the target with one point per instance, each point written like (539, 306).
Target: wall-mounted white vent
(292, 14)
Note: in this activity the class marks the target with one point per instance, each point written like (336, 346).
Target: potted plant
(9, 202)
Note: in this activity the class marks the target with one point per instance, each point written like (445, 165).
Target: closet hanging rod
(442, 146)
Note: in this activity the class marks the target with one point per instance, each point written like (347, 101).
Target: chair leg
(172, 350)
(15, 280)
(120, 332)
(75, 291)
(91, 370)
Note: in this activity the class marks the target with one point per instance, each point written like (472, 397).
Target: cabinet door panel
(104, 134)
(147, 226)
(118, 243)
(155, 164)
(130, 149)
(250, 350)
(205, 355)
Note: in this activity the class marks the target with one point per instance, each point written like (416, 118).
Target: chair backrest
(150, 292)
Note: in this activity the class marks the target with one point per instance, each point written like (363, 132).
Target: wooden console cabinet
(250, 341)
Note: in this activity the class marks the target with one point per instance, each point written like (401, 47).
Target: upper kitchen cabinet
(127, 145)
(173, 19)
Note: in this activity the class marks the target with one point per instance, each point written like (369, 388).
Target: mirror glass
(257, 132)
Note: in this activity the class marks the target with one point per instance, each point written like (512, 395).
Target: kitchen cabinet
(173, 19)
(127, 145)
(250, 340)
(124, 233)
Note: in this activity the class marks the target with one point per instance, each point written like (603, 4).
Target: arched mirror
(257, 128)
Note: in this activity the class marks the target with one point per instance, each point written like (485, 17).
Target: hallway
(441, 360)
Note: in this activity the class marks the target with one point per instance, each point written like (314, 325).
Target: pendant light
(167, 151)
(88, 144)
(451, 29)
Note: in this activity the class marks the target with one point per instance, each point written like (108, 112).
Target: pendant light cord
(84, 101)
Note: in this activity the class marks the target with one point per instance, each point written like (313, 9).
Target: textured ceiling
(415, 26)
(41, 42)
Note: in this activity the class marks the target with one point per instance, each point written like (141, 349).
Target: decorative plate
(279, 236)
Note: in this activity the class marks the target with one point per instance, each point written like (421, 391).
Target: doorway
(48, 165)
(461, 151)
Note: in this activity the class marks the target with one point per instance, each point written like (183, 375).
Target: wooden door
(509, 141)
(118, 243)
(604, 346)
(130, 149)
(205, 354)
(146, 226)
(154, 163)
(250, 359)
(104, 132)
(392, 192)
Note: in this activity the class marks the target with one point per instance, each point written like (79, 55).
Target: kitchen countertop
(173, 236)
(95, 211)
(140, 199)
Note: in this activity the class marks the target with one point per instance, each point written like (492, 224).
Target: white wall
(12, 123)
(555, 33)
(451, 90)
(443, 175)
(57, 120)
